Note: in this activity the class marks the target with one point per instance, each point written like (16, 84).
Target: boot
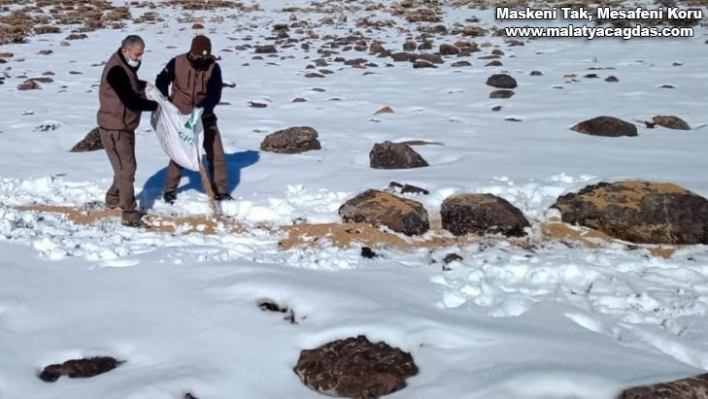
(170, 197)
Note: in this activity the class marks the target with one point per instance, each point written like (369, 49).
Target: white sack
(179, 135)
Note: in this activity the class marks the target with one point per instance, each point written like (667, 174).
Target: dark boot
(132, 219)
(170, 197)
(223, 197)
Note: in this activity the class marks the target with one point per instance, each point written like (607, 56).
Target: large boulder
(606, 126)
(380, 208)
(91, 142)
(502, 81)
(482, 214)
(670, 122)
(693, 387)
(355, 368)
(292, 140)
(639, 212)
(388, 155)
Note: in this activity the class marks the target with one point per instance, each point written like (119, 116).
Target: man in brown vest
(196, 82)
(121, 104)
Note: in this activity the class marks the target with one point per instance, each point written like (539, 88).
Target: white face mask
(133, 63)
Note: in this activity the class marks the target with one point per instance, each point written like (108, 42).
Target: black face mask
(200, 63)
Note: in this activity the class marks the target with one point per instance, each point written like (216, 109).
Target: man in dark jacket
(120, 107)
(196, 82)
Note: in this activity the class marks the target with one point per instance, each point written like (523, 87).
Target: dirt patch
(345, 235)
(158, 223)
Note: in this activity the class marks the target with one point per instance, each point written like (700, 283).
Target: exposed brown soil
(344, 235)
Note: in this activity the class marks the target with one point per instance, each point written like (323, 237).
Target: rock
(91, 142)
(501, 81)
(611, 79)
(501, 93)
(376, 48)
(384, 110)
(423, 64)
(314, 75)
(355, 368)
(403, 57)
(293, 140)
(395, 187)
(693, 387)
(409, 46)
(494, 63)
(458, 64)
(380, 208)
(496, 108)
(671, 122)
(482, 214)
(431, 58)
(639, 212)
(388, 155)
(448, 49)
(267, 49)
(29, 84)
(606, 126)
(79, 368)
(536, 73)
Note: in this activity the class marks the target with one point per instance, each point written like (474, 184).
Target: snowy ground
(504, 322)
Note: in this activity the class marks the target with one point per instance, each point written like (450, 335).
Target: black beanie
(201, 46)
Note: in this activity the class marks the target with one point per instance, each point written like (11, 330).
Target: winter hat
(201, 46)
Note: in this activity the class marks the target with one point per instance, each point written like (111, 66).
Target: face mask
(132, 63)
(200, 63)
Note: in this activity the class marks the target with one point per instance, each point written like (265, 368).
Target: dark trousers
(214, 149)
(120, 148)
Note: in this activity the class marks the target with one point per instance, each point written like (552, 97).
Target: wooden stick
(209, 191)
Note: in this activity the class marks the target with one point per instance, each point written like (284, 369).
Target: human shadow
(153, 187)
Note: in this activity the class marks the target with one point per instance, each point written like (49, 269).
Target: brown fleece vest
(112, 113)
(190, 85)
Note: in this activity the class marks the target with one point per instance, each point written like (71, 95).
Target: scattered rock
(197, 25)
(254, 104)
(29, 84)
(91, 142)
(403, 57)
(496, 108)
(501, 93)
(606, 126)
(355, 368)
(458, 64)
(380, 208)
(79, 368)
(376, 48)
(406, 189)
(267, 49)
(268, 305)
(190, 396)
(639, 212)
(45, 52)
(431, 58)
(423, 64)
(448, 49)
(368, 253)
(292, 140)
(299, 100)
(693, 387)
(494, 63)
(611, 79)
(536, 73)
(591, 76)
(389, 155)
(449, 258)
(409, 46)
(314, 75)
(482, 214)
(384, 110)
(671, 122)
(76, 36)
(501, 81)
